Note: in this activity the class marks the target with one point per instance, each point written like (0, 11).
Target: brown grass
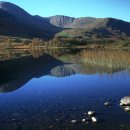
(111, 59)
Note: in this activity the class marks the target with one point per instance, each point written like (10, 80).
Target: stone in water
(74, 121)
(125, 100)
(107, 103)
(91, 113)
(127, 108)
(94, 119)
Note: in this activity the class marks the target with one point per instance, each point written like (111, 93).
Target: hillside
(98, 28)
(61, 21)
(15, 21)
(71, 22)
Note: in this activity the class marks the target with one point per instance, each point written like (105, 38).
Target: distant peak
(3, 2)
(62, 16)
(6, 3)
(14, 10)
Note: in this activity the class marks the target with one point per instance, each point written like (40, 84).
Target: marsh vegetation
(107, 59)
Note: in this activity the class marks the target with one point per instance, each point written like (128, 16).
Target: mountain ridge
(12, 9)
(15, 21)
(89, 27)
(83, 20)
(24, 21)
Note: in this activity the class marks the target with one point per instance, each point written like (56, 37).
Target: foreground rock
(86, 120)
(94, 119)
(125, 101)
(127, 108)
(121, 104)
(107, 103)
(74, 121)
(91, 113)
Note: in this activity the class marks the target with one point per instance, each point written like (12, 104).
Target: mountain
(65, 70)
(15, 21)
(14, 10)
(41, 18)
(85, 22)
(89, 27)
(61, 21)
(71, 22)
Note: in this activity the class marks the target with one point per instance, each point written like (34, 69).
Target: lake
(47, 89)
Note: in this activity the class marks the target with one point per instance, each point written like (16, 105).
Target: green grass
(66, 35)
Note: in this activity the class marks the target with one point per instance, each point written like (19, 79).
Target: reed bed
(111, 59)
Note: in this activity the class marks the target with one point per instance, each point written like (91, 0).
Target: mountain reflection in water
(17, 67)
(46, 89)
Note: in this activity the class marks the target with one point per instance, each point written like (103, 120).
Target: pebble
(91, 113)
(86, 120)
(121, 104)
(127, 108)
(74, 121)
(107, 103)
(83, 120)
(94, 119)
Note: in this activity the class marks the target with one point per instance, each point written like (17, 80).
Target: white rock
(107, 103)
(86, 120)
(94, 119)
(83, 120)
(127, 108)
(74, 121)
(121, 104)
(91, 113)
(125, 100)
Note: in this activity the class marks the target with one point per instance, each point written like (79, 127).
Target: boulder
(125, 100)
(127, 108)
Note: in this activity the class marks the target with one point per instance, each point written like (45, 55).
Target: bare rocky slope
(92, 27)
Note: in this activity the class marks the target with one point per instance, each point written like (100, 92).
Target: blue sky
(77, 8)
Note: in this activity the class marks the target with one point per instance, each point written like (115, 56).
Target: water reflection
(17, 67)
(46, 89)
(16, 72)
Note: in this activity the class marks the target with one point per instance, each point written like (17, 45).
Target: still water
(46, 89)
